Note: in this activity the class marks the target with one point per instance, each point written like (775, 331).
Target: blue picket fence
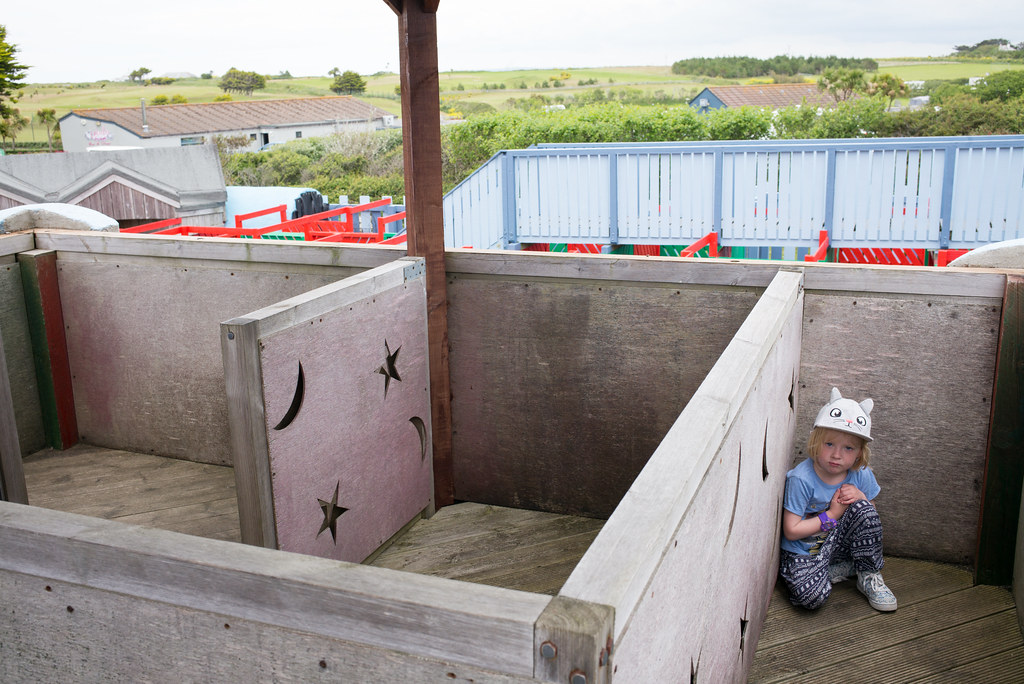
(914, 193)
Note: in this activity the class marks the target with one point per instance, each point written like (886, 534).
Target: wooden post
(49, 346)
(421, 139)
(1004, 468)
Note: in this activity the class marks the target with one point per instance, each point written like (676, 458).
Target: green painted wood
(1004, 469)
(49, 344)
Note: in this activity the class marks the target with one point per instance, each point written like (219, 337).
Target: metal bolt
(231, 335)
(577, 677)
(548, 650)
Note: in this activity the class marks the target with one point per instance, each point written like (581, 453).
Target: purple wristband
(827, 523)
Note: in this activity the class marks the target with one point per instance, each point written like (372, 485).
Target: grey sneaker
(871, 585)
(840, 570)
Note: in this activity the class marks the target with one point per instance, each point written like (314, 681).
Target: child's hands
(849, 494)
(836, 507)
(843, 498)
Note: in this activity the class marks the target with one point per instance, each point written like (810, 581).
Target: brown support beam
(1004, 469)
(421, 139)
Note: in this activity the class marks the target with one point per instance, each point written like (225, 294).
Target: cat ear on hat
(867, 405)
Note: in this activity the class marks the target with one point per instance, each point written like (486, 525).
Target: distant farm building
(131, 186)
(264, 122)
(773, 95)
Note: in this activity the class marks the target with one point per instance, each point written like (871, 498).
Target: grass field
(456, 87)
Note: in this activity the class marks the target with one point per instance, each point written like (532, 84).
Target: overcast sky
(79, 41)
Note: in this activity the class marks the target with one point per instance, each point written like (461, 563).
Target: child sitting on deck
(830, 528)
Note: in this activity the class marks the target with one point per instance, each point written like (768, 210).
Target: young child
(830, 528)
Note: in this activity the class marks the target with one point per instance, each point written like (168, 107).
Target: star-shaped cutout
(388, 369)
(332, 511)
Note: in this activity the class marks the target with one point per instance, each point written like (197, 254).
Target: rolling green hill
(493, 88)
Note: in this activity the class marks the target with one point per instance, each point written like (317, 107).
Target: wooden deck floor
(945, 630)
(504, 547)
(141, 489)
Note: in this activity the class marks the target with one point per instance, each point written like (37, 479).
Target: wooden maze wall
(338, 456)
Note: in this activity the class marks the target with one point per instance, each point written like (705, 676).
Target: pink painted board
(347, 435)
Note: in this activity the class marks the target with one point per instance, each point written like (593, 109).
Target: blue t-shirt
(807, 495)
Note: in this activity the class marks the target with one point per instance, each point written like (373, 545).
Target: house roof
(184, 119)
(190, 175)
(771, 95)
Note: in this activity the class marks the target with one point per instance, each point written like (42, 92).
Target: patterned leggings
(857, 537)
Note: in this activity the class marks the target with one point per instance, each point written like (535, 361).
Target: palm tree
(12, 124)
(48, 117)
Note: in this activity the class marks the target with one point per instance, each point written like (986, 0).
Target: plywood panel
(563, 389)
(360, 438)
(94, 599)
(730, 531)
(927, 362)
(17, 343)
(143, 342)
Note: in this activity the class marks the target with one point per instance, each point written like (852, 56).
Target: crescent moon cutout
(422, 429)
(293, 410)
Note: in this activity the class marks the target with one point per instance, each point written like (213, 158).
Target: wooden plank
(17, 340)
(896, 280)
(511, 548)
(140, 489)
(913, 581)
(1004, 464)
(1001, 667)
(720, 452)
(574, 642)
(358, 438)
(421, 142)
(912, 340)
(485, 627)
(46, 321)
(14, 243)
(218, 249)
(109, 637)
(875, 640)
(601, 369)
(12, 474)
(144, 348)
(250, 450)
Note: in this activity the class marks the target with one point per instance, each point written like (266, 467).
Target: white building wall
(80, 134)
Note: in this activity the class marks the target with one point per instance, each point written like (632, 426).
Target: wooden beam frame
(421, 139)
(1004, 467)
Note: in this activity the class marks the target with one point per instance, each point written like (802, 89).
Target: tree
(887, 86)
(1002, 86)
(48, 117)
(11, 73)
(348, 83)
(242, 81)
(138, 74)
(842, 83)
(11, 124)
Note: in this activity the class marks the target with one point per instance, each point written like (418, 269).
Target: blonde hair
(817, 438)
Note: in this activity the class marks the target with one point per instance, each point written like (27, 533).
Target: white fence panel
(988, 196)
(665, 198)
(473, 210)
(888, 198)
(562, 198)
(773, 198)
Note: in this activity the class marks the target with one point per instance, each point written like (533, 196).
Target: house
(130, 186)
(774, 95)
(263, 121)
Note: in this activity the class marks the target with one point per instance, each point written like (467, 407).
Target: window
(298, 134)
(194, 140)
(252, 136)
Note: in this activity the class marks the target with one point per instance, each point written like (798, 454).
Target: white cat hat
(846, 415)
